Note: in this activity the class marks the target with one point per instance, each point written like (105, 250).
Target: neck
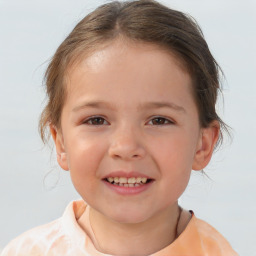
(139, 239)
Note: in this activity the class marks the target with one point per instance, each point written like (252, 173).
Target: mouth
(128, 182)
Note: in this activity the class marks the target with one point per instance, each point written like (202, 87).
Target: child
(131, 109)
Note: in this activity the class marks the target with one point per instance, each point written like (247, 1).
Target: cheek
(175, 174)
(178, 149)
(174, 158)
(83, 157)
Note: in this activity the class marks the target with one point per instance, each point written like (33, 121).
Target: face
(130, 116)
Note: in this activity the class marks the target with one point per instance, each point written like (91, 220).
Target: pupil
(97, 120)
(159, 120)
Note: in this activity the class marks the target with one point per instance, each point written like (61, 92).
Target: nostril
(126, 151)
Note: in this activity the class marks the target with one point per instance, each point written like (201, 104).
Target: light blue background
(31, 32)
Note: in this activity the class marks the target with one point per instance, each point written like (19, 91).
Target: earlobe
(206, 144)
(60, 148)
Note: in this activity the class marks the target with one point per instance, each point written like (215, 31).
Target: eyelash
(163, 118)
(92, 118)
(170, 122)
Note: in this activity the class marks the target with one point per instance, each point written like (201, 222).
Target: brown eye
(95, 121)
(161, 121)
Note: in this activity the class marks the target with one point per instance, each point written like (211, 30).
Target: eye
(97, 120)
(161, 121)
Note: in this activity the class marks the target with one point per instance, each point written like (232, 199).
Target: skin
(129, 137)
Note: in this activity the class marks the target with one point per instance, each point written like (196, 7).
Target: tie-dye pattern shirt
(64, 236)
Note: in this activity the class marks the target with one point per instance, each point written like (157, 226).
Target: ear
(60, 148)
(207, 141)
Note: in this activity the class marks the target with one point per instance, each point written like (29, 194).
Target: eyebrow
(150, 105)
(147, 105)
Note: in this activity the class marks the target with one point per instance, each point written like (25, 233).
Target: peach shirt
(65, 237)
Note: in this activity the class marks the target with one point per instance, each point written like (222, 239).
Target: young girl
(131, 109)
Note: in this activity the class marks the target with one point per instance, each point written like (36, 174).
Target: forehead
(125, 66)
(122, 47)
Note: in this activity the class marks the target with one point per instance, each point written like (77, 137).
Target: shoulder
(197, 238)
(211, 240)
(35, 241)
(59, 237)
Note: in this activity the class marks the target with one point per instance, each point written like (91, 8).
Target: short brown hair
(144, 21)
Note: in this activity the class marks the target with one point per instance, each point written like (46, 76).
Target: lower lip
(128, 190)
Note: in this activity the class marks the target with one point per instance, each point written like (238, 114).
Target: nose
(126, 144)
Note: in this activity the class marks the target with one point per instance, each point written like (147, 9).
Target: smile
(128, 182)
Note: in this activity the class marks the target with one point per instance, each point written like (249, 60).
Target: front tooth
(132, 180)
(131, 185)
(138, 180)
(122, 180)
(110, 179)
(116, 180)
(126, 185)
(143, 180)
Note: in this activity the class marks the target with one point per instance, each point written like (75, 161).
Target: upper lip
(126, 174)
